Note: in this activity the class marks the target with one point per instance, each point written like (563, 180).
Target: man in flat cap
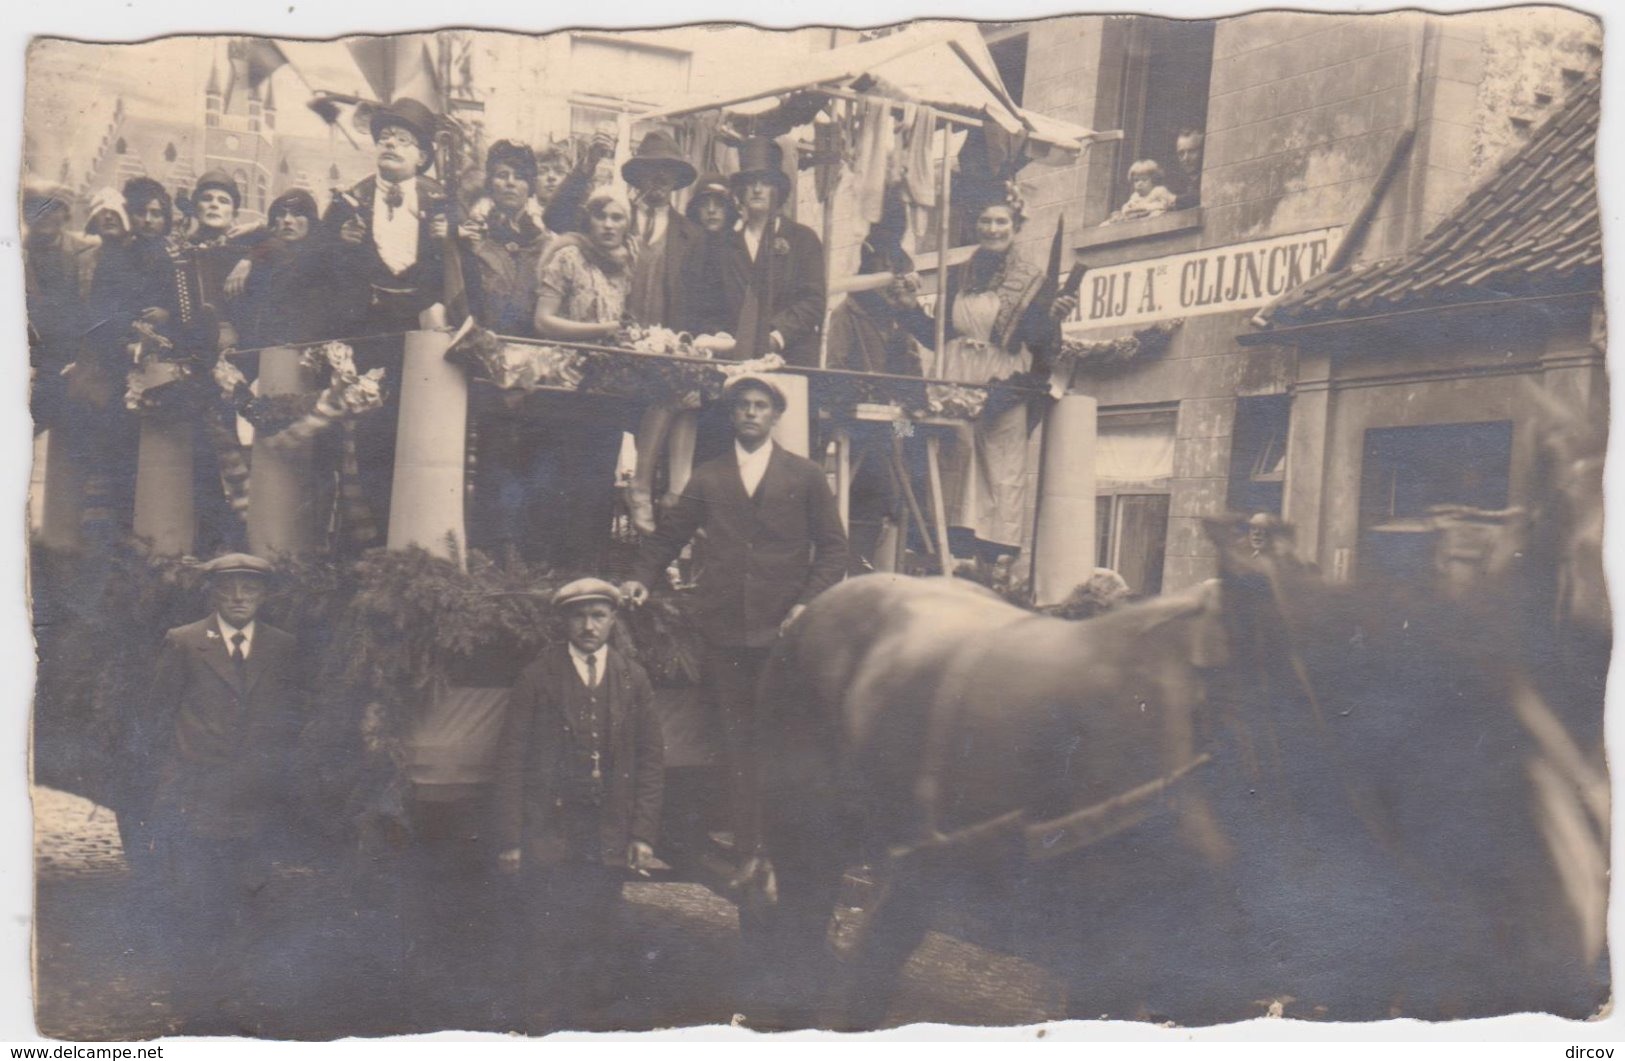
(225, 708)
(579, 785)
(773, 541)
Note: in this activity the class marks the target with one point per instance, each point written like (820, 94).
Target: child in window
(1150, 199)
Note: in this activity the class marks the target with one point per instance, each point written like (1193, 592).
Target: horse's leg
(893, 929)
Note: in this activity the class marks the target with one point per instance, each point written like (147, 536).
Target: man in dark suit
(388, 235)
(773, 542)
(225, 709)
(389, 229)
(579, 785)
(773, 272)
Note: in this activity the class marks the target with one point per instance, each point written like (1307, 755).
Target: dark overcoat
(534, 808)
(786, 281)
(762, 555)
(224, 746)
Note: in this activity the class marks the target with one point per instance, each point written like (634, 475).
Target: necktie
(238, 659)
(592, 672)
(393, 198)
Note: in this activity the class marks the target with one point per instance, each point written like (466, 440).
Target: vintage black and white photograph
(984, 523)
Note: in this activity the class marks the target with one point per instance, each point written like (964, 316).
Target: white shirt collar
(752, 466)
(395, 233)
(227, 631)
(579, 658)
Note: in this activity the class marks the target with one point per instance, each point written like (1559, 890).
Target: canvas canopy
(948, 68)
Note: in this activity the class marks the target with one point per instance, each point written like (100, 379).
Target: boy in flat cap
(225, 708)
(579, 787)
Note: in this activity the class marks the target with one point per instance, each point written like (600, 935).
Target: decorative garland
(687, 375)
(1097, 354)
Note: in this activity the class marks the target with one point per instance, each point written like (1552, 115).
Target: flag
(1052, 275)
(264, 58)
(398, 66)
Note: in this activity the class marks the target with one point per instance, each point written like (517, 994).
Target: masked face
(655, 188)
(214, 208)
(290, 227)
(399, 153)
(589, 624)
(508, 189)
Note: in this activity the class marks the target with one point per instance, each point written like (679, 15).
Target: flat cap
(586, 589)
(758, 380)
(237, 564)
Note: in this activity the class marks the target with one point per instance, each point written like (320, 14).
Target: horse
(1267, 794)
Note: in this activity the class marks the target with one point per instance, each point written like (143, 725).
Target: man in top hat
(579, 786)
(387, 273)
(390, 228)
(773, 273)
(225, 708)
(773, 542)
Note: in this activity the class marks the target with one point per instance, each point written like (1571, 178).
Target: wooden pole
(944, 209)
(843, 476)
(828, 226)
(939, 510)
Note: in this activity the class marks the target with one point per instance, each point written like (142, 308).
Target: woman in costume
(1002, 324)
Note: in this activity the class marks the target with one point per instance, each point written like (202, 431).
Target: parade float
(412, 642)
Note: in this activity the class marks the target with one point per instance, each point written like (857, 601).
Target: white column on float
(1064, 545)
(281, 486)
(426, 499)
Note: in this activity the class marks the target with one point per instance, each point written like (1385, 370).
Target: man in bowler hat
(579, 784)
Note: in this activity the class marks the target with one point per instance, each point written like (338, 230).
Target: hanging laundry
(919, 172)
(871, 166)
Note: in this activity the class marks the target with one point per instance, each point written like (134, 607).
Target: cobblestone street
(93, 983)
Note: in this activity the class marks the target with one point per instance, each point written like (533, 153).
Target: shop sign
(1240, 276)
